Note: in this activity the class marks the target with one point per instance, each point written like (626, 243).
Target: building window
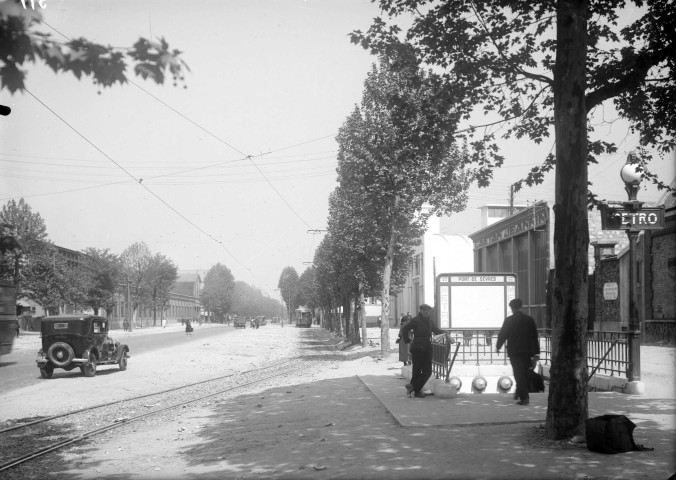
(522, 263)
(416, 266)
(499, 212)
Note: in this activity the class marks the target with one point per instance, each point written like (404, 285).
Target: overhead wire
(139, 181)
(208, 132)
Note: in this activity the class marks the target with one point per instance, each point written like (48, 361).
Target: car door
(99, 335)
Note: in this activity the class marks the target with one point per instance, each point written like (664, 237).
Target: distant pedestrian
(422, 327)
(188, 328)
(18, 330)
(125, 326)
(521, 335)
(164, 323)
(404, 346)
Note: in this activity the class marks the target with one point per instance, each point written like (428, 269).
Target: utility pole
(129, 304)
(511, 200)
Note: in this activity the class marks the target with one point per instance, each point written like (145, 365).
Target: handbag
(611, 434)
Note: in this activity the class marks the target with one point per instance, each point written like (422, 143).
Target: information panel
(474, 300)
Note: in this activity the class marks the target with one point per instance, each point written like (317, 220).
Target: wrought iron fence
(607, 352)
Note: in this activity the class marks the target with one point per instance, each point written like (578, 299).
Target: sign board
(620, 218)
(474, 300)
(610, 291)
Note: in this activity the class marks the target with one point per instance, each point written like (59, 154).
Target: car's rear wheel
(47, 371)
(90, 370)
(60, 354)
(123, 362)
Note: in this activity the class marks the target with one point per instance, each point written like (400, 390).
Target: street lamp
(632, 180)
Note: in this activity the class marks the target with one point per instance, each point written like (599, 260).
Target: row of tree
(398, 163)
(96, 280)
(100, 279)
(298, 290)
(222, 295)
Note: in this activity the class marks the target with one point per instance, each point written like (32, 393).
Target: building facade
(436, 254)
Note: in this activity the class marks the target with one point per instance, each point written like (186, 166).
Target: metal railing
(607, 352)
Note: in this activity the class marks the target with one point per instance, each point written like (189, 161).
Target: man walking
(422, 327)
(521, 335)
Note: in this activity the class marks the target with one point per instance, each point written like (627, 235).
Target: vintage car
(239, 322)
(262, 320)
(70, 341)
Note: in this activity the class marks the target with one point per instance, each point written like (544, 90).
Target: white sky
(266, 75)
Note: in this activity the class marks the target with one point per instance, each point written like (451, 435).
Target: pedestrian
(422, 327)
(521, 335)
(125, 325)
(188, 328)
(18, 330)
(164, 323)
(404, 349)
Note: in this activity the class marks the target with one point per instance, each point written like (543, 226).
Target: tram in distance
(303, 317)
(9, 324)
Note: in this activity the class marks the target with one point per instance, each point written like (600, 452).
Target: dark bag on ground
(611, 434)
(535, 382)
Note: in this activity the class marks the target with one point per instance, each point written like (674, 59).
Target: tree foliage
(307, 288)
(135, 261)
(396, 155)
(51, 282)
(497, 59)
(23, 41)
(217, 294)
(104, 274)
(530, 70)
(289, 288)
(30, 231)
(250, 301)
(159, 279)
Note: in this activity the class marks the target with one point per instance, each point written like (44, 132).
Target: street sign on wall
(621, 218)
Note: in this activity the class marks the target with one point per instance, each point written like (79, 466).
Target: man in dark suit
(521, 335)
(422, 327)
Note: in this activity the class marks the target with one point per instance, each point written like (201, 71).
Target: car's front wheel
(90, 370)
(47, 371)
(123, 362)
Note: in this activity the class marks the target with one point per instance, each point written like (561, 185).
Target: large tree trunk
(362, 318)
(355, 320)
(567, 405)
(385, 312)
(347, 314)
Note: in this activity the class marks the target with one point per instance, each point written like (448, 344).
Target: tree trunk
(346, 316)
(385, 311)
(362, 319)
(567, 405)
(355, 320)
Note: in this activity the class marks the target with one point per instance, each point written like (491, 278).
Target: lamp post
(632, 180)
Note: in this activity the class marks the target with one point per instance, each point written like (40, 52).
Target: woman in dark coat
(404, 345)
(422, 327)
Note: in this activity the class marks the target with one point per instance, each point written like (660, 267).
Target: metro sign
(618, 218)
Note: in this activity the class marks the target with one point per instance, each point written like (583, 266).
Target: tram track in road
(48, 431)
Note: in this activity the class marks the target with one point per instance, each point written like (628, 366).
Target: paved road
(18, 369)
